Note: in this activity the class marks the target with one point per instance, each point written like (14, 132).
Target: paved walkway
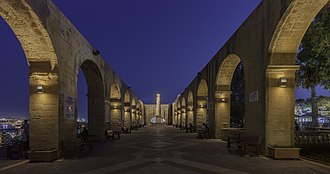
(164, 149)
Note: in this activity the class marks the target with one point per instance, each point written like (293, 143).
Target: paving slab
(164, 149)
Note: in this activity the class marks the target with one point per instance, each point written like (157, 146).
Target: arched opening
(82, 103)
(281, 70)
(223, 93)
(95, 97)
(127, 111)
(43, 75)
(183, 113)
(190, 109)
(115, 107)
(202, 103)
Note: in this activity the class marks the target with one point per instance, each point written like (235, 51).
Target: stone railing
(231, 132)
(312, 137)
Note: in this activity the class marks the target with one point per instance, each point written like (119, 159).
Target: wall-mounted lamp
(190, 109)
(283, 82)
(40, 89)
(202, 106)
(223, 100)
(114, 107)
(96, 52)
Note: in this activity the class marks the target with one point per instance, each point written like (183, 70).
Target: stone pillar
(127, 115)
(201, 110)
(280, 101)
(158, 108)
(179, 117)
(44, 116)
(115, 113)
(183, 116)
(96, 116)
(107, 115)
(190, 114)
(222, 112)
(134, 119)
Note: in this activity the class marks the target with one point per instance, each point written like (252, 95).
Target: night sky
(156, 46)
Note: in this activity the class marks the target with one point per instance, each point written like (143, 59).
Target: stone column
(158, 110)
(183, 116)
(280, 103)
(190, 113)
(115, 113)
(222, 112)
(134, 119)
(44, 116)
(127, 115)
(201, 110)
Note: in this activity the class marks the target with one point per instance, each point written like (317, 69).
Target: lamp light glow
(40, 89)
(283, 82)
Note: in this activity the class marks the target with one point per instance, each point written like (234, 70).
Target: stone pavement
(164, 149)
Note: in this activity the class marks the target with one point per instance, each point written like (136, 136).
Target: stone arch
(190, 108)
(127, 110)
(95, 95)
(43, 73)
(115, 106)
(183, 112)
(223, 92)
(282, 51)
(202, 106)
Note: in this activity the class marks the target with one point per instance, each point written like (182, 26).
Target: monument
(157, 118)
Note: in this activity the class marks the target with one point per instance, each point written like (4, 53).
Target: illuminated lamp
(40, 89)
(283, 82)
(223, 100)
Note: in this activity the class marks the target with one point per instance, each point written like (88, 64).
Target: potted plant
(283, 152)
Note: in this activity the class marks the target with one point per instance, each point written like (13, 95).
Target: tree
(314, 58)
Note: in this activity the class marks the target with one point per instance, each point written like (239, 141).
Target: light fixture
(114, 107)
(40, 89)
(223, 100)
(283, 82)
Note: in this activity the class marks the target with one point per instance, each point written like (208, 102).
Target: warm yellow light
(40, 89)
(283, 82)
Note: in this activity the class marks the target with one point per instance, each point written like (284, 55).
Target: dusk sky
(156, 46)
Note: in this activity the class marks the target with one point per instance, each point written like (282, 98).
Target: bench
(126, 130)
(245, 141)
(203, 133)
(190, 129)
(114, 134)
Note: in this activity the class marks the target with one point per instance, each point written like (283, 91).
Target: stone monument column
(157, 113)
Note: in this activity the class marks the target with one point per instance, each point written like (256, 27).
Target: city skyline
(156, 47)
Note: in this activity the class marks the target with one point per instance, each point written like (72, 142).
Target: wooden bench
(245, 141)
(126, 130)
(190, 129)
(203, 133)
(114, 134)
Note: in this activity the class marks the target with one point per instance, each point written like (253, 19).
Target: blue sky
(156, 46)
